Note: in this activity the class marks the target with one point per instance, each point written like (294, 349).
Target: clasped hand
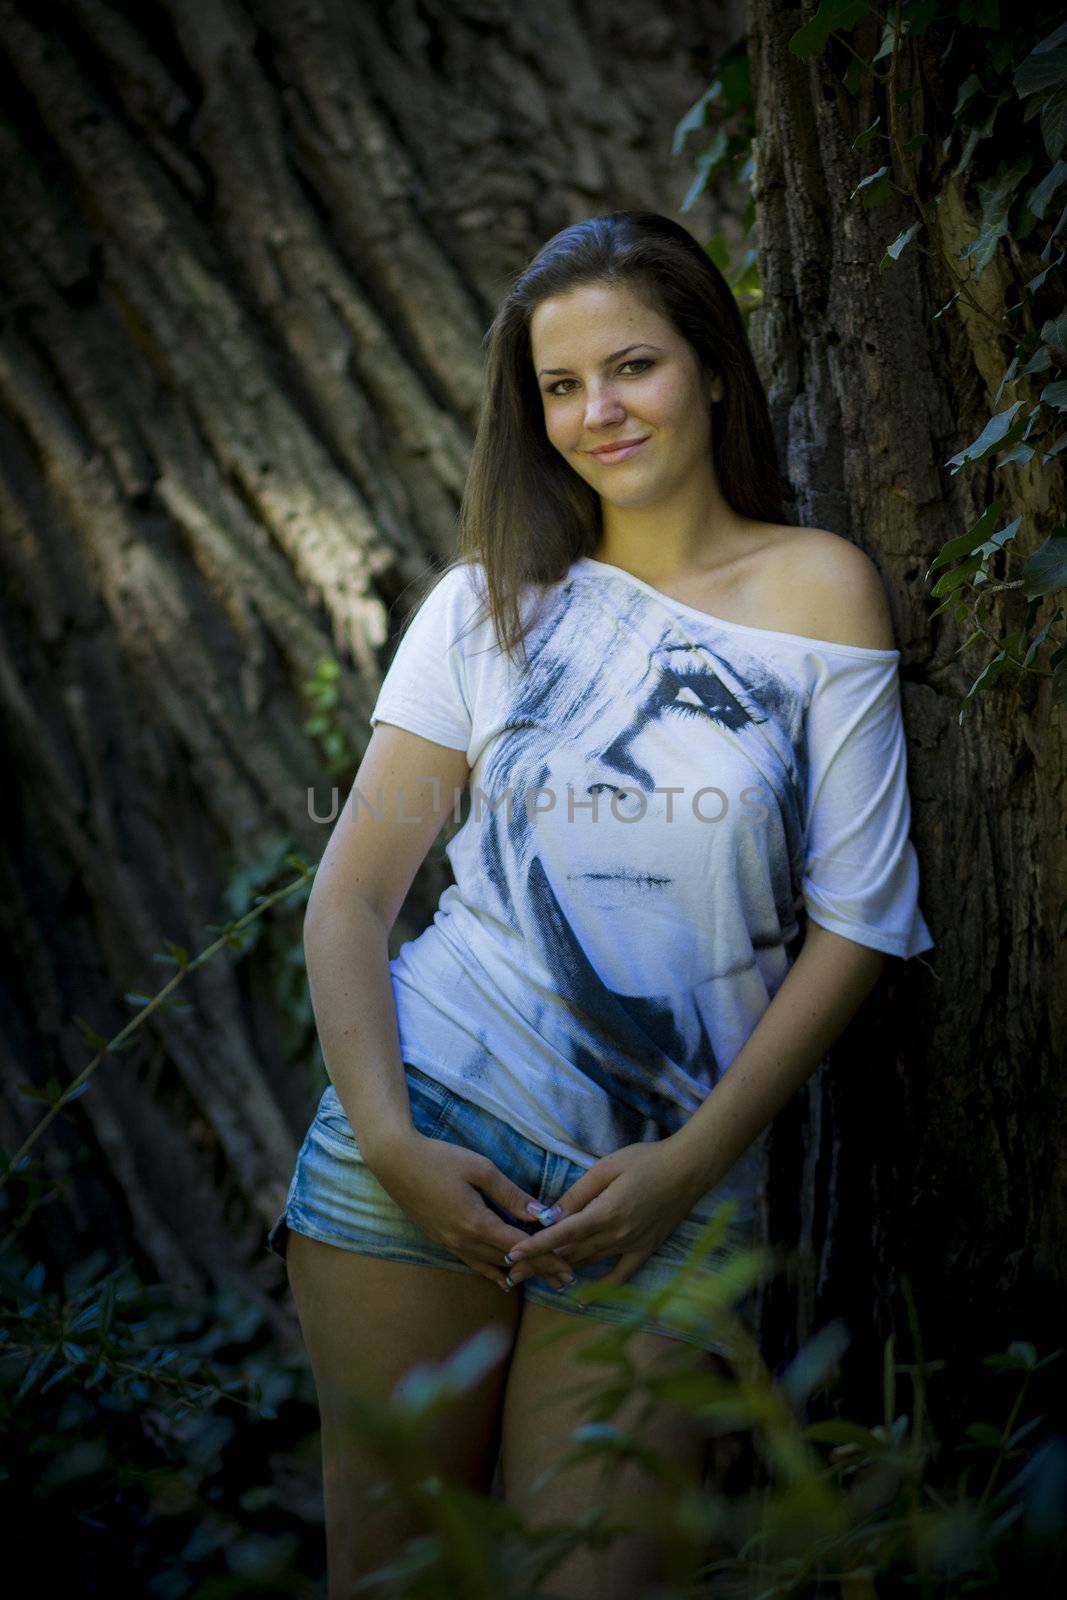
(625, 1205)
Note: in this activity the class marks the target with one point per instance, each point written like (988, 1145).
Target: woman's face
(597, 391)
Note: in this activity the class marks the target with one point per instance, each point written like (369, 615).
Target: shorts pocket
(430, 1102)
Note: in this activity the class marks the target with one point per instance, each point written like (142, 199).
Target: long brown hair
(526, 515)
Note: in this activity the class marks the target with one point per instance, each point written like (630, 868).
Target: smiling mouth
(620, 453)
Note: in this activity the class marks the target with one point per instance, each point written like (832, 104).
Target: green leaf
(694, 118)
(971, 85)
(1045, 570)
(1055, 394)
(952, 580)
(995, 432)
(815, 1363)
(1042, 193)
(872, 177)
(37, 1367)
(831, 15)
(89, 1033)
(967, 541)
(1054, 133)
(984, 1433)
(840, 1431)
(33, 1093)
(893, 251)
(1041, 69)
(706, 163)
(986, 679)
(177, 953)
(995, 196)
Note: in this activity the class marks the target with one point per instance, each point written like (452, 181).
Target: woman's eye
(635, 361)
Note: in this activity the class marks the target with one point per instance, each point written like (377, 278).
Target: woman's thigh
(548, 1396)
(366, 1321)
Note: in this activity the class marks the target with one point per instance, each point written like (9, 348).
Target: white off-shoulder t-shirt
(653, 801)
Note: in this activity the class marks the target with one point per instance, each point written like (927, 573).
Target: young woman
(679, 720)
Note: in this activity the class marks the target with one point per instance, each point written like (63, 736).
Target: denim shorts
(334, 1197)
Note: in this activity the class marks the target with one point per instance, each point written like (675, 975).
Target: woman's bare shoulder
(829, 589)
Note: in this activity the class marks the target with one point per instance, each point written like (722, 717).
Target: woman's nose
(603, 406)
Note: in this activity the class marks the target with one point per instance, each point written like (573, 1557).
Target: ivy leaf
(892, 251)
(1054, 332)
(832, 14)
(1046, 569)
(1041, 69)
(872, 178)
(1055, 394)
(1042, 192)
(964, 543)
(995, 196)
(995, 433)
(694, 118)
(985, 680)
(706, 163)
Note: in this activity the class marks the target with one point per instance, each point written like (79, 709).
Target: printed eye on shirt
(653, 801)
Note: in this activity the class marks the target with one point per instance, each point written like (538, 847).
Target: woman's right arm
(404, 789)
(380, 840)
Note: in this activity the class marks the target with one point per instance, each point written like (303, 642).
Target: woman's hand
(437, 1185)
(625, 1205)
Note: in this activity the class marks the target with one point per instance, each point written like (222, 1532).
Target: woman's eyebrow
(555, 372)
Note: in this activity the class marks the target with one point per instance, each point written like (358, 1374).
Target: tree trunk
(919, 1155)
(249, 257)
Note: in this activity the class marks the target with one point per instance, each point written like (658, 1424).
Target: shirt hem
(420, 725)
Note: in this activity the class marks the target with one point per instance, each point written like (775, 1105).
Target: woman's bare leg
(538, 1418)
(365, 1322)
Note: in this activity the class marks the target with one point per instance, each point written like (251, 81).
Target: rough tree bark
(923, 1143)
(248, 259)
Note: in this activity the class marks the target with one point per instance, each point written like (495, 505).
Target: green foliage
(142, 1433)
(323, 695)
(1017, 95)
(729, 102)
(278, 941)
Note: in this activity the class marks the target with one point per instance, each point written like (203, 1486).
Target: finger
(511, 1196)
(550, 1269)
(625, 1267)
(578, 1230)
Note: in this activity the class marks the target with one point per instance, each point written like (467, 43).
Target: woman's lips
(622, 454)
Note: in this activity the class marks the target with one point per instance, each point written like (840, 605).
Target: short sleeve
(425, 686)
(861, 872)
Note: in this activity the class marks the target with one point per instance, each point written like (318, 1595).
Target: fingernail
(507, 1258)
(504, 1286)
(508, 1281)
(546, 1215)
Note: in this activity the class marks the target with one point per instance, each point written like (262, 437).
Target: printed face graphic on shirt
(639, 838)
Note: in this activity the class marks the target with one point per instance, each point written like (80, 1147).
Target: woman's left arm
(628, 1202)
(825, 987)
